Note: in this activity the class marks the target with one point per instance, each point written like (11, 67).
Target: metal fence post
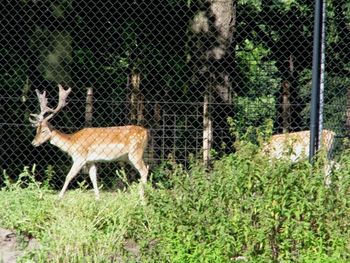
(316, 70)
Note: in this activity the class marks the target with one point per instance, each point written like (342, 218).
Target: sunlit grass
(75, 227)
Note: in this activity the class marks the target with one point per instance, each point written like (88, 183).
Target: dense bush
(246, 208)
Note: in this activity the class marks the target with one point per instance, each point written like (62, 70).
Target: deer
(89, 146)
(294, 146)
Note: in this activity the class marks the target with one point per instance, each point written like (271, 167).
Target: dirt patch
(13, 247)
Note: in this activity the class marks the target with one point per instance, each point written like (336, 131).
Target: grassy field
(246, 209)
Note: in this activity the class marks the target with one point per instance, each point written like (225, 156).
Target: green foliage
(246, 208)
(254, 134)
(25, 179)
(257, 74)
(253, 208)
(27, 196)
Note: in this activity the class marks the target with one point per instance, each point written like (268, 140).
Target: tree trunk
(288, 100)
(211, 59)
(136, 99)
(207, 130)
(347, 114)
(286, 110)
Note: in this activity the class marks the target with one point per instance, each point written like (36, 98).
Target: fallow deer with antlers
(91, 145)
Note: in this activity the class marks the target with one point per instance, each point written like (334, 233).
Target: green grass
(246, 207)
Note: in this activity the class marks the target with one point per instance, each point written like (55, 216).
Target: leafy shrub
(247, 208)
(250, 208)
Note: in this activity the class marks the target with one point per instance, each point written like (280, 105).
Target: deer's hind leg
(139, 165)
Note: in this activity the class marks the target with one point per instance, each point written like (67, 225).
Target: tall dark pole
(316, 70)
(322, 73)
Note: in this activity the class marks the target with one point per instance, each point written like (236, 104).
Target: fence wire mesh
(195, 73)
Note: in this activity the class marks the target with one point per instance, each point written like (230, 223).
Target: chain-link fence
(195, 73)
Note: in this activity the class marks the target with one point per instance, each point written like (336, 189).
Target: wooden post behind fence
(88, 108)
(88, 116)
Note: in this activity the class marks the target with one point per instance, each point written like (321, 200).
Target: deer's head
(41, 121)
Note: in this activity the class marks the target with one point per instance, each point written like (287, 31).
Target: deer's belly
(107, 152)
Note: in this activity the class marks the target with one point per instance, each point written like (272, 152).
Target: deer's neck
(61, 140)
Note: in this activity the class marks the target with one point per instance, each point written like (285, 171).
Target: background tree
(211, 56)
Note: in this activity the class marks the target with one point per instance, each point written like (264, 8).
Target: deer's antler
(63, 94)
